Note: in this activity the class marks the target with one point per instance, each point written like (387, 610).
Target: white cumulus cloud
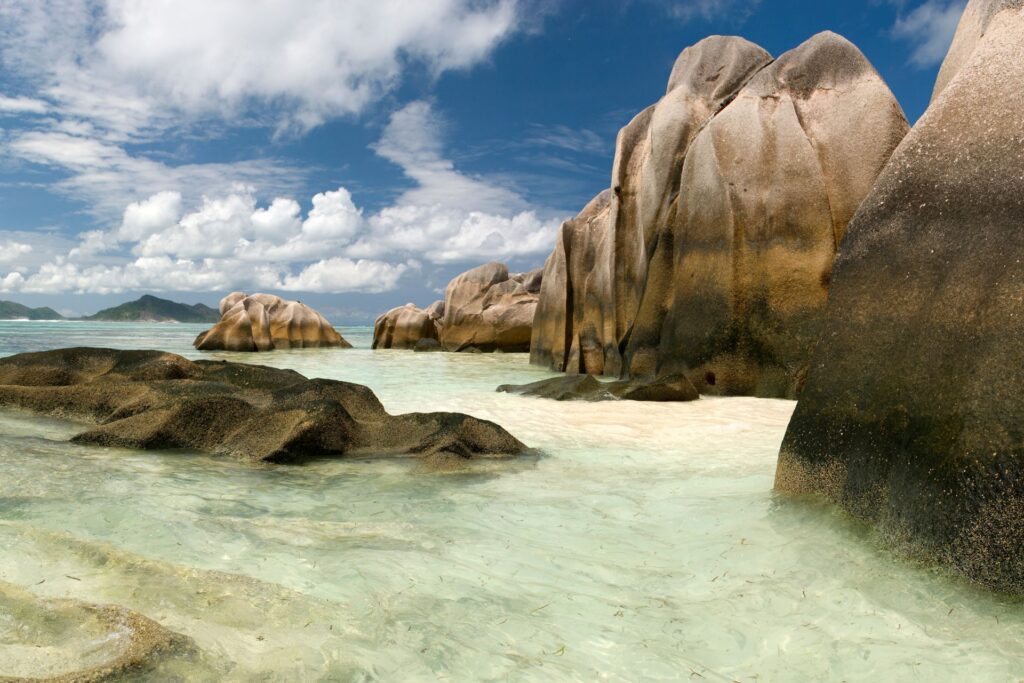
(150, 216)
(448, 234)
(11, 252)
(22, 105)
(341, 274)
(102, 77)
(449, 216)
(929, 28)
(106, 177)
(129, 65)
(230, 241)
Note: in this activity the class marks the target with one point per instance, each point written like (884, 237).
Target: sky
(353, 154)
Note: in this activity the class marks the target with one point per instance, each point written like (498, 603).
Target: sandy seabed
(643, 542)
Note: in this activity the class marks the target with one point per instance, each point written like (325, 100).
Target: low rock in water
(670, 388)
(157, 400)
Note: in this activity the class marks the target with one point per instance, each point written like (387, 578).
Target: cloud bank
(229, 241)
(96, 88)
(134, 66)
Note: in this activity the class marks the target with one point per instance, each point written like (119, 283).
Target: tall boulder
(557, 313)
(264, 322)
(713, 254)
(604, 251)
(911, 417)
(767, 191)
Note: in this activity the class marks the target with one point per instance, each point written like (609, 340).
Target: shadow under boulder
(256, 414)
(670, 388)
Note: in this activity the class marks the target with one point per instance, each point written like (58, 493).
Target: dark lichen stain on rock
(911, 417)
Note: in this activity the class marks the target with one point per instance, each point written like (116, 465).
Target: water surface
(644, 544)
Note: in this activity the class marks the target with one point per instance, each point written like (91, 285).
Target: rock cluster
(711, 254)
(156, 400)
(911, 417)
(484, 309)
(264, 322)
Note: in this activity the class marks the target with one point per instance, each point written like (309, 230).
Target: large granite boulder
(593, 281)
(489, 309)
(264, 322)
(484, 309)
(712, 254)
(555, 321)
(911, 417)
(156, 400)
(404, 327)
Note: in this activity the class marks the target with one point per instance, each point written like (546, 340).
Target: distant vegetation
(13, 311)
(153, 309)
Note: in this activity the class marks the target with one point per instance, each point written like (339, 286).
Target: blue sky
(355, 154)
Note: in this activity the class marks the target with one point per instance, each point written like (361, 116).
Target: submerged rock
(68, 641)
(427, 345)
(156, 400)
(485, 309)
(670, 388)
(911, 417)
(263, 322)
(711, 254)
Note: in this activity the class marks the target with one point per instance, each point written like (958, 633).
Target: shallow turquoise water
(644, 544)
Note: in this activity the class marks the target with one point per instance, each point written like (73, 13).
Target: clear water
(645, 544)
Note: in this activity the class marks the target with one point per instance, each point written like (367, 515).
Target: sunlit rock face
(484, 309)
(711, 255)
(489, 309)
(153, 400)
(264, 322)
(405, 326)
(912, 416)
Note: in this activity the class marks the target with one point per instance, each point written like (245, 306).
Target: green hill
(14, 311)
(150, 309)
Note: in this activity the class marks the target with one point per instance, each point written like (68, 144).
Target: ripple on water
(644, 543)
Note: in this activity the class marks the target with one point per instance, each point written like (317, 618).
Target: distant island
(151, 309)
(10, 310)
